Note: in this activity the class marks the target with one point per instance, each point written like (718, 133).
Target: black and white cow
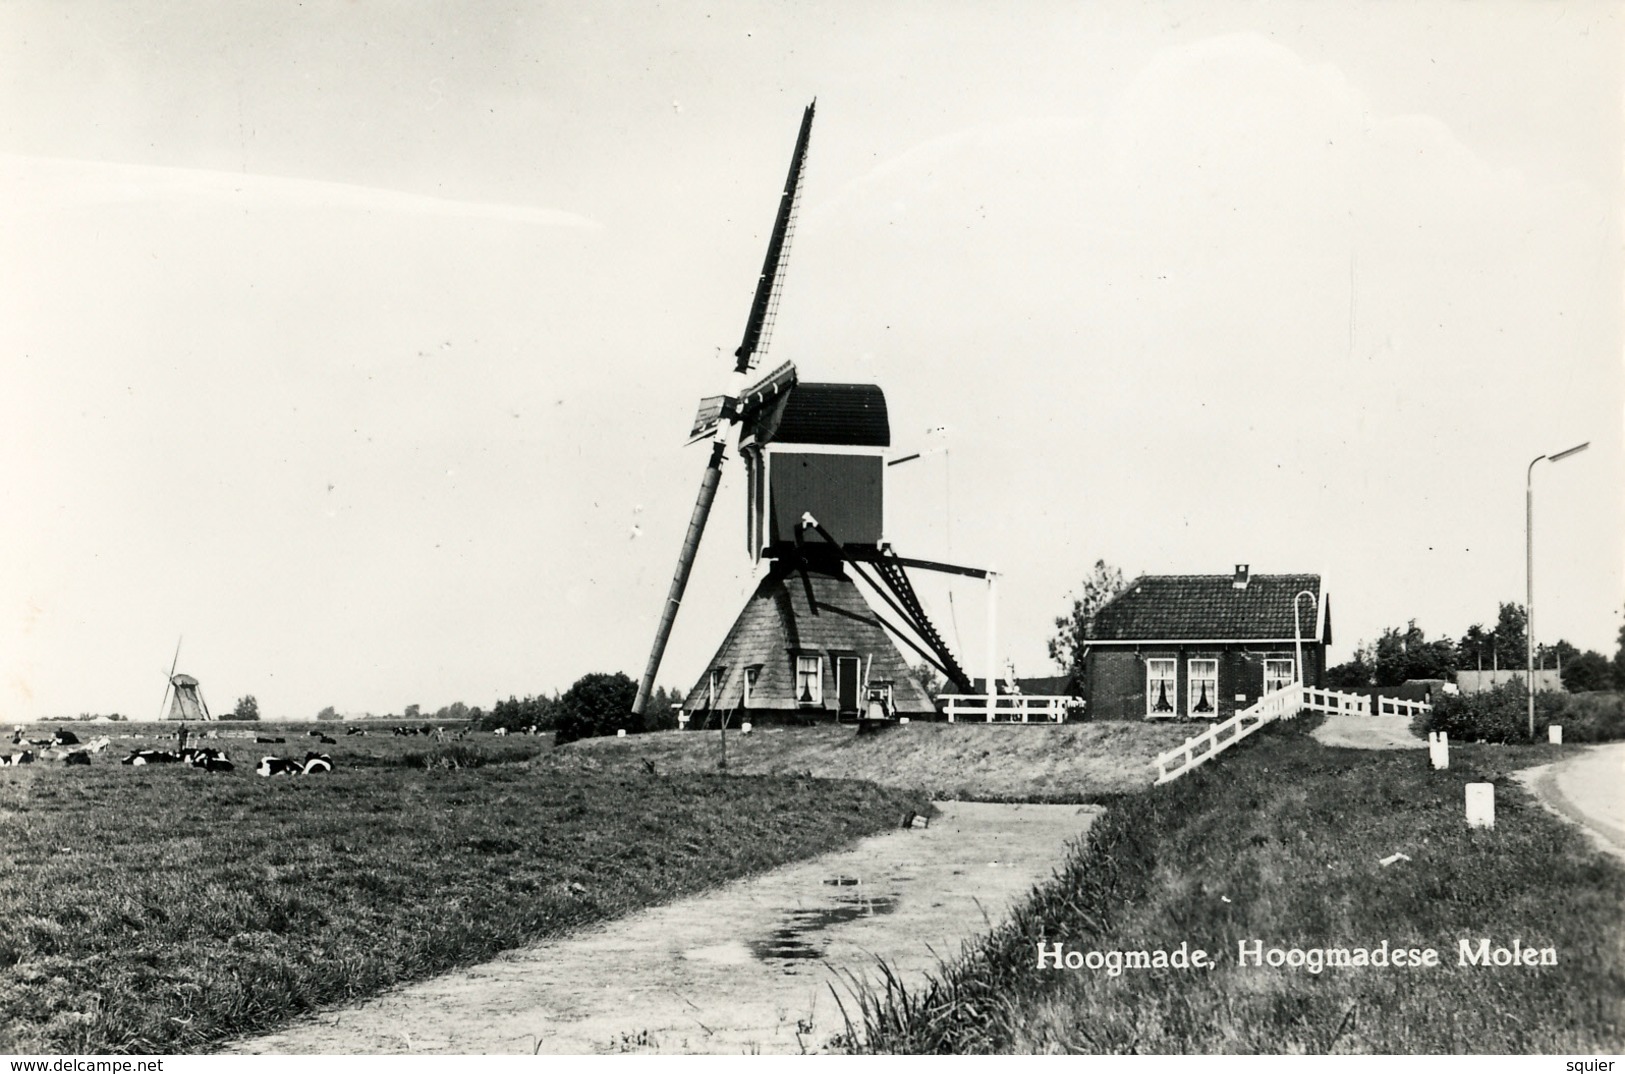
(8, 760)
(208, 759)
(77, 757)
(64, 738)
(138, 757)
(276, 766)
(316, 762)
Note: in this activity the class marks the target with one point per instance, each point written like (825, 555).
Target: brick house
(1201, 646)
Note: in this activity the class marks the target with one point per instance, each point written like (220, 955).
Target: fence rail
(1009, 708)
(1284, 703)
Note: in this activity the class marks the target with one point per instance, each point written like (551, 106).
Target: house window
(1160, 689)
(809, 680)
(750, 682)
(1203, 688)
(713, 687)
(1277, 675)
(877, 702)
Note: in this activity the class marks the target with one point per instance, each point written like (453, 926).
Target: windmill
(182, 694)
(807, 644)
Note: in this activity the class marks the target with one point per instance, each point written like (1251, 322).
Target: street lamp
(1529, 570)
(1297, 631)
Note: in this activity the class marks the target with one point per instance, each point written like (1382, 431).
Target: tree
(930, 679)
(247, 708)
(1511, 637)
(1585, 671)
(1407, 654)
(597, 704)
(1358, 671)
(1619, 662)
(1074, 629)
(329, 713)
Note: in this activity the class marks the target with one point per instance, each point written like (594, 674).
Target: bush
(1502, 715)
(598, 704)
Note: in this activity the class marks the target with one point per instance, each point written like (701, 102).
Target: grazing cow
(328, 741)
(313, 734)
(354, 731)
(316, 762)
(500, 732)
(98, 744)
(77, 757)
(276, 766)
(138, 757)
(20, 757)
(64, 738)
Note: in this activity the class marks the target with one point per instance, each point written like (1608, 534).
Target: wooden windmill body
(807, 645)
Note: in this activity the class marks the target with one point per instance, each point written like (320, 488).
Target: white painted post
(1439, 749)
(992, 644)
(1554, 734)
(902, 719)
(1480, 805)
(621, 733)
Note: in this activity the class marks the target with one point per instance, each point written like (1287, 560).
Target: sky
(354, 346)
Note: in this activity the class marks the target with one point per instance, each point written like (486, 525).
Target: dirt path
(1368, 732)
(1588, 790)
(747, 968)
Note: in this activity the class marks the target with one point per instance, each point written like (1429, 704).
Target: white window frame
(716, 679)
(752, 673)
(1277, 663)
(816, 692)
(1170, 665)
(1193, 687)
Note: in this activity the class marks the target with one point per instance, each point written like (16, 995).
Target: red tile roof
(1208, 607)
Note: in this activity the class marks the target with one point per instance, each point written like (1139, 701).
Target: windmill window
(713, 687)
(751, 675)
(1203, 688)
(1160, 687)
(809, 680)
(1277, 675)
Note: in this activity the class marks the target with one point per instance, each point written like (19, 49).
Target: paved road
(746, 968)
(1588, 790)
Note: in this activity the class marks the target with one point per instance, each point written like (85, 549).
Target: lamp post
(1529, 570)
(1297, 631)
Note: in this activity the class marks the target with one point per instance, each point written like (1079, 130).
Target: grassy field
(1076, 762)
(160, 908)
(1282, 842)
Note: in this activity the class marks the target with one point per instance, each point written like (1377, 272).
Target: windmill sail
(758, 329)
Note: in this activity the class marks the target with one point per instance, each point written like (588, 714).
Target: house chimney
(1240, 581)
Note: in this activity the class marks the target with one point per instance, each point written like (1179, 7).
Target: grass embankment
(160, 909)
(1281, 841)
(1075, 762)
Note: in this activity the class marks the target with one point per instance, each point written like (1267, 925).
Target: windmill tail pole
(679, 581)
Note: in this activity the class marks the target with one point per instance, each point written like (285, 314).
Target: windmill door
(846, 684)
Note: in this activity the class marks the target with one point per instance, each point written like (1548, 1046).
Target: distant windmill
(182, 694)
(807, 644)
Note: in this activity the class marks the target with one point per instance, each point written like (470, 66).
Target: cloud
(63, 183)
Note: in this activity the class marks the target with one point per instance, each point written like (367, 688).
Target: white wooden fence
(1277, 704)
(1284, 703)
(1008, 708)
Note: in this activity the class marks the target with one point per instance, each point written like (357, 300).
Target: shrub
(1502, 715)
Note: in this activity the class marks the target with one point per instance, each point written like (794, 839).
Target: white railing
(1278, 704)
(1336, 702)
(1398, 706)
(1008, 708)
(1284, 703)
